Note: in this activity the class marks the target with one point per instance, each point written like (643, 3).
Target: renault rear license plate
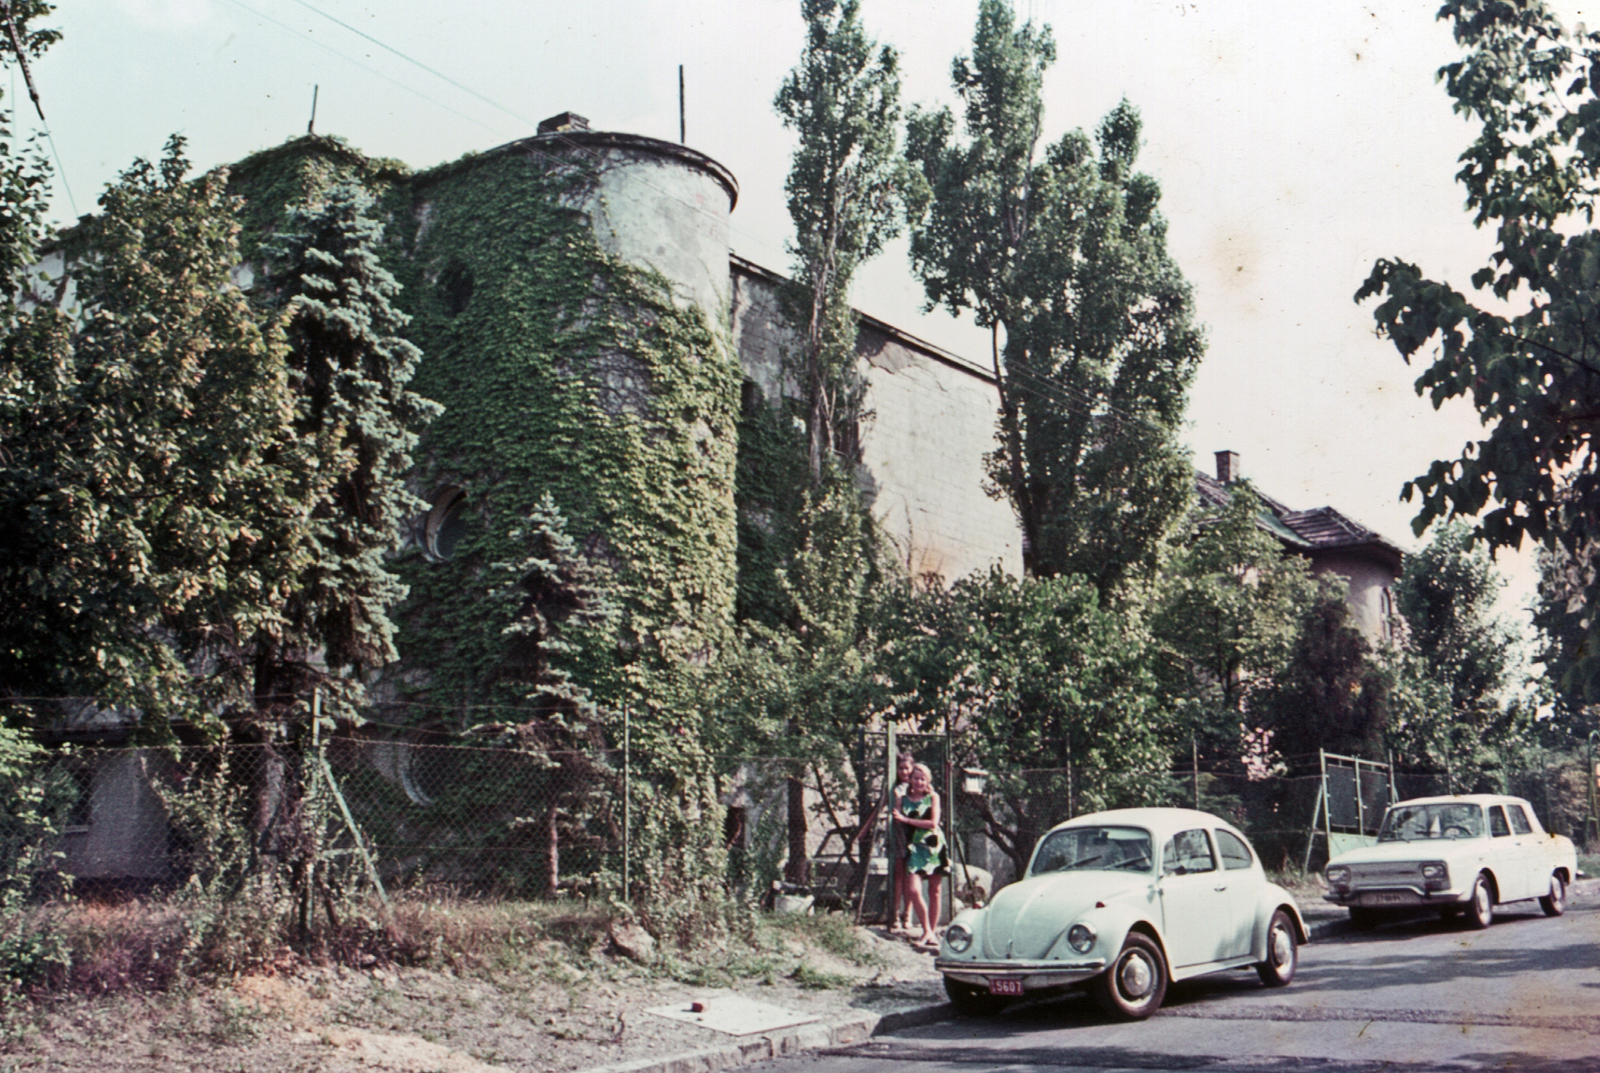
(1005, 985)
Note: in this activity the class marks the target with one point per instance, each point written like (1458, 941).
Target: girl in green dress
(926, 855)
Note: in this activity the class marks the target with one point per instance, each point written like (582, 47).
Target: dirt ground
(560, 1018)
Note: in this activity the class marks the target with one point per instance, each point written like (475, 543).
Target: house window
(445, 525)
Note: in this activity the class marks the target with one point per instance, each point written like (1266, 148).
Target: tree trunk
(799, 868)
(552, 853)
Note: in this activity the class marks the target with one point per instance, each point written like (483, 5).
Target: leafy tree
(1228, 612)
(1064, 256)
(1565, 579)
(155, 491)
(1446, 598)
(350, 371)
(1331, 694)
(804, 688)
(1041, 686)
(1525, 353)
(843, 100)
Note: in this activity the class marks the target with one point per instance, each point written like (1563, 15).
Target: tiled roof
(1321, 529)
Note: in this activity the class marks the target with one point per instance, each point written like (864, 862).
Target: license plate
(1005, 986)
(1386, 899)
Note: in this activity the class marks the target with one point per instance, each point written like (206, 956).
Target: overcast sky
(1294, 144)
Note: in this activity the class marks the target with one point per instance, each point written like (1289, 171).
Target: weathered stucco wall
(932, 420)
(663, 207)
(126, 836)
(1370, 586)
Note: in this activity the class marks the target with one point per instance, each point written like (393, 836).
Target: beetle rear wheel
(1133, 987)
(1555, 903)
(972, 1000)
(1283, 952)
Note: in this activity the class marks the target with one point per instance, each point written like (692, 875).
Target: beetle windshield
(1410, 823)
(1122, 849)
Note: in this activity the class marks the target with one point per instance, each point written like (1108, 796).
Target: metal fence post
(344, 809)
(627, 798)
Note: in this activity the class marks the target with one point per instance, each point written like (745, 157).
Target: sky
(1295, 144)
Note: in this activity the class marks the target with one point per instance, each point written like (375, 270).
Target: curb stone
(864, 1026)
(784, 1044)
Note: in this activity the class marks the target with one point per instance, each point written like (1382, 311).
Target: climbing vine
(563, 371)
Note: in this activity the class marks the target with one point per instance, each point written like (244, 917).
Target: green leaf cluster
(1524, 352)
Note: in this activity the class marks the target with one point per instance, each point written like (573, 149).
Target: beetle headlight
(958, 938)
(1081, 938)
(1338, 876)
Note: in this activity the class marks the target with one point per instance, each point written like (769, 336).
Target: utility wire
(61, 169)
(300, 36)
(569, 142)
(416, 62)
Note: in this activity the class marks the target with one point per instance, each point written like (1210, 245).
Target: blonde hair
(925, 770)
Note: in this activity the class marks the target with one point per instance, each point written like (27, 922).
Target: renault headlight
(1435, 875)
(1338, 876)
(1081, 938)
(958, 938)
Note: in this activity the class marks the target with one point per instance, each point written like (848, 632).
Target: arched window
(446, 524)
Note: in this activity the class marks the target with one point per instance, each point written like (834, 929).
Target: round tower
(658, 204)
(569, 293)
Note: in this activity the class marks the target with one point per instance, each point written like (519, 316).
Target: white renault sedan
(1127, 901)
(1460, 855)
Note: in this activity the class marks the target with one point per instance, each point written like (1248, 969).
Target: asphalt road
(1523, 995)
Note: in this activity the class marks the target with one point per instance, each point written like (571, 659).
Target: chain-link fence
(395, 812)
(409, 811)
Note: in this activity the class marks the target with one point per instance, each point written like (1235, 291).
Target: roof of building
(1309, 531)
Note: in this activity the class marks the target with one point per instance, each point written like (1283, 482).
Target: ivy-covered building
(591, 334)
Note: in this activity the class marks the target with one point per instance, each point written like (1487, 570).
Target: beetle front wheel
(1283, 952)
(1133, 987)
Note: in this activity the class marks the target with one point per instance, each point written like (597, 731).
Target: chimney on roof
(565, 121)
(1227, 467)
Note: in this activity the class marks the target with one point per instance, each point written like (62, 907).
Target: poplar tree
(844, 192)
(1062, 255)
(844, 189)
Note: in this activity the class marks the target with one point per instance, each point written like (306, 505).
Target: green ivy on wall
(563, 370)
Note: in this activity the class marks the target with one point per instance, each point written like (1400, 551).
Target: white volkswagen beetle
(1128, 900)
(1459, 855)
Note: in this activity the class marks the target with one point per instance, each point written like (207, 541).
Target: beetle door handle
(1223, 887)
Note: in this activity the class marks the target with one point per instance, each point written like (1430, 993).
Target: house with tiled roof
(1334, 543)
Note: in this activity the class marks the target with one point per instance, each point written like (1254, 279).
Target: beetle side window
(1497, 822)
(1234, 852)
(1519, 820)
(1186, 852)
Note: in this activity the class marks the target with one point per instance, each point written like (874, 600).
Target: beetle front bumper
(1035, 975)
